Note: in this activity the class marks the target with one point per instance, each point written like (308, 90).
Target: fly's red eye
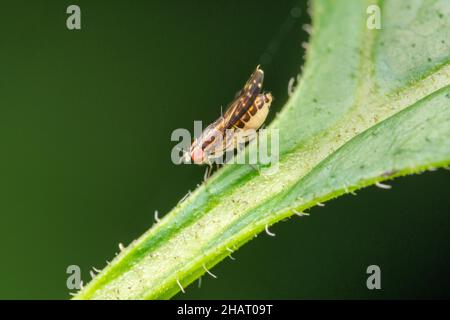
(197, 155)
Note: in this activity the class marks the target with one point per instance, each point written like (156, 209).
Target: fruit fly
(244, 115)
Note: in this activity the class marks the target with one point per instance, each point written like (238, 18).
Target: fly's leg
(207, 173)
(208, 170)
(255, 167)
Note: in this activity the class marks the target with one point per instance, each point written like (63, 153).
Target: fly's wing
(244, 100)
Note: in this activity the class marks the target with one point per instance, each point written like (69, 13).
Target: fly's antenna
(221, 116)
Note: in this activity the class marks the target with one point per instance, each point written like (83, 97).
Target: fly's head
(206, 146)
(196, 153)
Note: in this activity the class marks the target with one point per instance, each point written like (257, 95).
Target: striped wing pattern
(240, 105)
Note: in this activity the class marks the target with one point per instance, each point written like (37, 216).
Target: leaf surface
(371, 105)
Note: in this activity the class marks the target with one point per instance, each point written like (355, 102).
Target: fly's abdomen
(256, 114)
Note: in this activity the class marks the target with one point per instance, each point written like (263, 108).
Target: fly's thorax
(208, 145)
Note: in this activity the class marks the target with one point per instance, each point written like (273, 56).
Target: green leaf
(371, 105)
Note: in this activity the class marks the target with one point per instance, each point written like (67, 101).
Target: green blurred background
(85, 124)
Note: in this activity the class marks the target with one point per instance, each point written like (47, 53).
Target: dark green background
(85, 124)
